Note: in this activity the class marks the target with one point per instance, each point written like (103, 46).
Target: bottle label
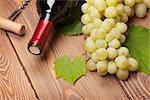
(42, 33)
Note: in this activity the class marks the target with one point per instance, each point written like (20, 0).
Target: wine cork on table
(11, 26)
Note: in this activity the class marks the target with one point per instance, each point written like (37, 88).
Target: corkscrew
(18, 10)
(9, 24)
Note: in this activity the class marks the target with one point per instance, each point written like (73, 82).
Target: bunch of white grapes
(104, 24)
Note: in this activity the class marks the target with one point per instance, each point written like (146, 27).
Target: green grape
(133, 64)
(147, 3)
(129, 3)
(122, 74)
(102, 73)
(85, 19)
(109, 37)
(122, 27)
(111, 2)
(127, 10)
(91, 65)
(101, 33)
(91, 2)
(97, 22)
(93, 13)
(98, 34)
(106, 26)
(88, 39)
(132, 12)
(100, 5)
(89, 45)
(122, 62)
(140, 10)
(117, 19)
(91, 9)
(102, 54)
(115, 43)
(112, 68)
(89, 27)
(93, 34)
(123, 17)
(120, 8)
(111, 12)
(122, 39)
(139, 1)
(84, 8)
(123, 51)
(116, 33)
(111, 21)
(94, 57)
(84, 30)
(119, 1)
(102, 67)
(112, 53)
(89, 54)
(100, 43)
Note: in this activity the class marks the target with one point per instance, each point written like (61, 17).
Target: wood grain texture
(91, 87)
(14, 84)
(88, 87)
(41, 73)
(137, 87)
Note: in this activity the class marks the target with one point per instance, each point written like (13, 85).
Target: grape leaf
(70, 71)
(60, 64)
(138, 42)
(73, 28)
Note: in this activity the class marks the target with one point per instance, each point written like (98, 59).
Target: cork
(11, 26)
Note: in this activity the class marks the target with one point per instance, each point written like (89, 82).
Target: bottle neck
(46, 17)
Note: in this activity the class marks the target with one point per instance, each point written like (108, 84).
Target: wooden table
(24, 76)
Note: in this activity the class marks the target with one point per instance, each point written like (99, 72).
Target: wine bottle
(51, 12)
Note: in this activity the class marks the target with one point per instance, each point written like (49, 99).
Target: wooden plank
(137, 87)
(14, 84)
(88, 87)
(41, 73)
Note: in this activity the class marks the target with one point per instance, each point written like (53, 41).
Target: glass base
(34, 49)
